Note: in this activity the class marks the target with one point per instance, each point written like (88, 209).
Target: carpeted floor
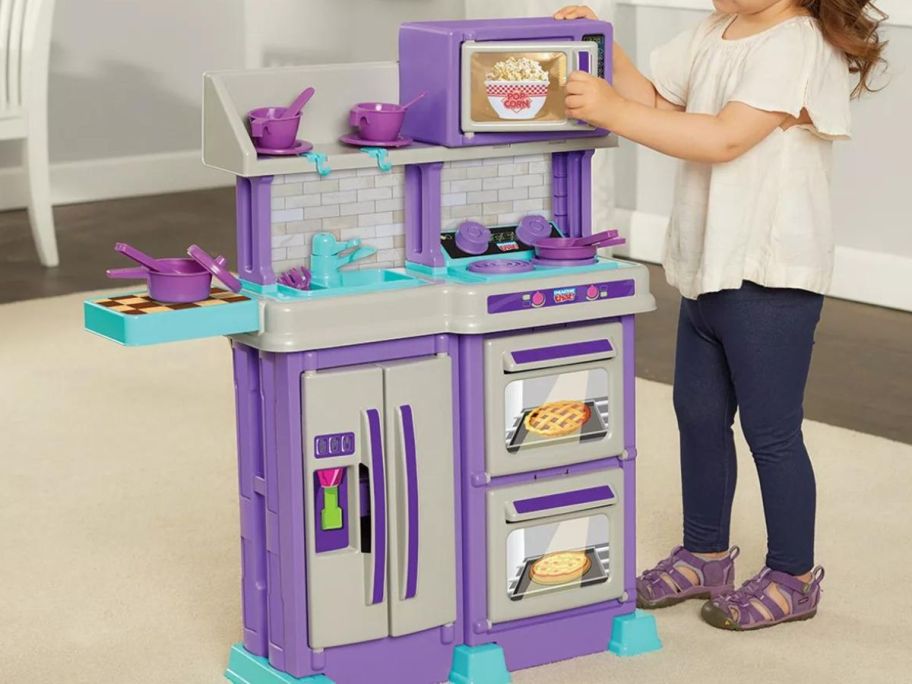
(119, 528)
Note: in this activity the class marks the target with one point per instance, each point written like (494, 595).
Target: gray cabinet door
(347, 597)
(419, 447)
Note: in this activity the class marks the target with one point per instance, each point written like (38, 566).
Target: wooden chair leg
(41, 214)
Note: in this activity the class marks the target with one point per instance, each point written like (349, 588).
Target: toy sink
(376, 278)
(353, 282)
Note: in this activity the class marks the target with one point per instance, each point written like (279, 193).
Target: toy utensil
(414, 100)
(297, 277)
(331, 515)
(295, 107)
(595, 238)
(140, 257)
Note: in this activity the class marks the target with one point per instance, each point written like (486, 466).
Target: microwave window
(516, 86)
(556, 409)
(558, 556)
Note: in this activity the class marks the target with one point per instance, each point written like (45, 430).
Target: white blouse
(764, 217)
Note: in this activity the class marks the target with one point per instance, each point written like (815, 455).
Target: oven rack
(603, 551)
(600, 403)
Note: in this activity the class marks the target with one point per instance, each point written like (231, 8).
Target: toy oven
(555, 544)
(554, 398)
(496, 81)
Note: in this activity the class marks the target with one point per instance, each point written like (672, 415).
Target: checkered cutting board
(138, 304)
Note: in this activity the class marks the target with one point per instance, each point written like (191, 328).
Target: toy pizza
(557, 418)
(560, 568)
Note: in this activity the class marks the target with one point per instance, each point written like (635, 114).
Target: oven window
(558, 556)
(556, 409)
(511, 86)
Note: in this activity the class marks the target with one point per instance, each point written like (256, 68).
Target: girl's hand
(591, 99)
(575, 12)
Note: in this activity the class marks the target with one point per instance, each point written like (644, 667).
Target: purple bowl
(378, 121)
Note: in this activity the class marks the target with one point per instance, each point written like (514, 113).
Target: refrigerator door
(520, 86)
(346, 577)
(419, 444)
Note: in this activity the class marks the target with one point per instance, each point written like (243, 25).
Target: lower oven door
(555, 544)
(553, 398)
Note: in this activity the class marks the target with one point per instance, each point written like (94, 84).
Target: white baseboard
(101, 179)
(859, 275)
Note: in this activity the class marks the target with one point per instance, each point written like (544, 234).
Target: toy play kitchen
(433, 361)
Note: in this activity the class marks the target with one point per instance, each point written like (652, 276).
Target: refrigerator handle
(378, 502)
(409, 466)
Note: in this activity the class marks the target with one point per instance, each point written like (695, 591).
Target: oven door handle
(584, 351)
(378, 503)
(409, 465)
(549, 505)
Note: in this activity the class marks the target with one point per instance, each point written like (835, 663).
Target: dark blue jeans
(747, 349)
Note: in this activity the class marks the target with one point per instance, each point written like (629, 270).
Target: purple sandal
(715, 577)
(740, 610)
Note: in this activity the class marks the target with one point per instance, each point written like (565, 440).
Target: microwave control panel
(560, 296)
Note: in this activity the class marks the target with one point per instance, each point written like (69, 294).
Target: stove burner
(562, 263)
(500, 266)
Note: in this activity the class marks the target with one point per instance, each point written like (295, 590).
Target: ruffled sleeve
(794, 68)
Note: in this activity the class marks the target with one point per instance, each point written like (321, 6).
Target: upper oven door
(553, 399)
(520, 86)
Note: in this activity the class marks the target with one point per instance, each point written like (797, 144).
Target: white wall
(871, 176)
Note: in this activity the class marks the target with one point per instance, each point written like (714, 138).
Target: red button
(538, 299)
(592, 292)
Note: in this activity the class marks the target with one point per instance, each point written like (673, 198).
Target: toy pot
(379, 121)
(271, 128)
(185, 281)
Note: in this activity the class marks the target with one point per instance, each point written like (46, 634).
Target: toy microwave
(497, 81)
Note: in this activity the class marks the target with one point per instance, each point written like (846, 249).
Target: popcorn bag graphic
(517, 88)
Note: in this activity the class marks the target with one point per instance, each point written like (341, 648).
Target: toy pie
(557, 418)
(560, 568)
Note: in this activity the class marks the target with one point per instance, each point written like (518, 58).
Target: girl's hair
(851, 26)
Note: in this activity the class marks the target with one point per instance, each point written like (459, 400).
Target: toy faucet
(327, 258)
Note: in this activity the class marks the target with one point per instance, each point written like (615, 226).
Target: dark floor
(861, 377)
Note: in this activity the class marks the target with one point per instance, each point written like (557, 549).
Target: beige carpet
(119, 528)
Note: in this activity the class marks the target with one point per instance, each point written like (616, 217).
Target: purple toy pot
(379, 121)
(271, 128)
(185, 280)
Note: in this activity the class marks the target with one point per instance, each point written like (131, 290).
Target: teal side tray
(483, 664)
(633, 634)
(135, 319)
(246, 668)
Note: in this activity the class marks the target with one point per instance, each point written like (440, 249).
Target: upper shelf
(229, 95)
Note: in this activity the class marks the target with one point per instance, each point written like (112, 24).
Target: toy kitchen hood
(433, 360)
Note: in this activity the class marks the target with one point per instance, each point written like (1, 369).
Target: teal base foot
(483, 664)
(634, 634)
(246, 668)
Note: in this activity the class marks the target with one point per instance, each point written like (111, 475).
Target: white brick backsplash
(368, 204)
(465, 185)
(497, 183)
(481, 196)
(375, 219)
(509, 194)
(302, 201)
(321, 212)
(394, 204)
(283, 215)
(535, 179)
(356, 208)
(338, 197)
(356, 183)
(374, 194)
(452, 199)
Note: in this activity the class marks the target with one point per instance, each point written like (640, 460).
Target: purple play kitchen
(433, 360)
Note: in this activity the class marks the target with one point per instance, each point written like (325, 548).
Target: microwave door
(520, 86)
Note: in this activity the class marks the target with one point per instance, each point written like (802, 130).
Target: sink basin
(353, 282)
(377, 278)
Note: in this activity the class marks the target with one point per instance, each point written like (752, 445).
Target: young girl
(750, 100)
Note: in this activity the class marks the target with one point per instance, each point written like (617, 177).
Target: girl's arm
(628, 80)
(694, 137)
